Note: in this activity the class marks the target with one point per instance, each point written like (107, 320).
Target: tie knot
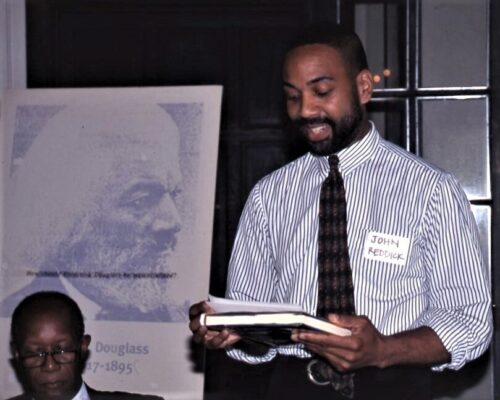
(333, 161)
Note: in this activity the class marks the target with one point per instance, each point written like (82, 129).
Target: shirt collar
(359, 152)
(354, 155)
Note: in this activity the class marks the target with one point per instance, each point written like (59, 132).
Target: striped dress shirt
(413, 244)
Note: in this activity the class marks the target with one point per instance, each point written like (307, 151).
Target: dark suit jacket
(98, 395)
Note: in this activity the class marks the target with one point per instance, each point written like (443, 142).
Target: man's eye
(323, 93)
(175, 192)
(33, 354)
(142, 200)
(142, 197)
(138, 201)
(291, 96)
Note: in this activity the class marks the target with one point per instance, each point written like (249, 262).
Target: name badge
(386, 248)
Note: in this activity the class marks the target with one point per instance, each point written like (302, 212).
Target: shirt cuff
(240, 355)
(464, 339)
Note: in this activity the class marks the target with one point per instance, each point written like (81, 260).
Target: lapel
(98, 395)
(93, 394)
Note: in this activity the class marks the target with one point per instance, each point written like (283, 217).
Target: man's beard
(345, 130)
(127, 267)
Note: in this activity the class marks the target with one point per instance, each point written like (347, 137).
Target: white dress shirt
(413, 245)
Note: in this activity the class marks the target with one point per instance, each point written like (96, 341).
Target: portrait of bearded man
(92, 209)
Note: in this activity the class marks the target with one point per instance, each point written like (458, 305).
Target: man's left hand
(365, 347)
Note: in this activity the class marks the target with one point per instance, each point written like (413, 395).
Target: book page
(221, 305)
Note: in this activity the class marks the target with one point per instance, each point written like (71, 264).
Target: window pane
(454, 136)
(483, 219)
(382, 29)
(453, 43)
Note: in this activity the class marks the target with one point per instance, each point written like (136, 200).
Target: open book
(269, 323)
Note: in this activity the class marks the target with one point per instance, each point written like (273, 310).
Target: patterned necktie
(335, 287)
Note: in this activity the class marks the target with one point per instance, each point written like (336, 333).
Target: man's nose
(165, 224)
(167, 217)
(49, 363)
(308, 107)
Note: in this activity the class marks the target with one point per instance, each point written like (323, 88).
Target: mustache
(302, 122)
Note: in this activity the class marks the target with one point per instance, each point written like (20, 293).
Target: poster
(108, 196)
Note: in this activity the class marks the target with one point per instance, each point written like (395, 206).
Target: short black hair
(45, 301)
(344, 40)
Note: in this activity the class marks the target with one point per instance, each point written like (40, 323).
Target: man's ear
(16, 365)
(364, 84)
(14, 351)
(84, 347)
(84, 351)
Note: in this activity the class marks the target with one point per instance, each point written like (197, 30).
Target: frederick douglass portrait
(91, 208)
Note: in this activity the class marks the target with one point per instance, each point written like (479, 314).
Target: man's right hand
(211, 339)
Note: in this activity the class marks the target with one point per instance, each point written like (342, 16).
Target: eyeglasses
(60, 356)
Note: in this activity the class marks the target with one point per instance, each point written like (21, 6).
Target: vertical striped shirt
(413, 245)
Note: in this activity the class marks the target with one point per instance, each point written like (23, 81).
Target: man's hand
(362, 349)
(368, 347)
(211, 339)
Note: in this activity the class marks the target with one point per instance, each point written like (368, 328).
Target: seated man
(50, 349)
